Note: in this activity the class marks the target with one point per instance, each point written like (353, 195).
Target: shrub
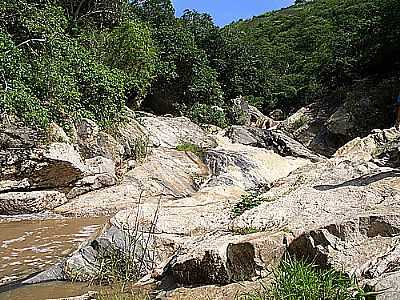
(208, 114)
(141, 148)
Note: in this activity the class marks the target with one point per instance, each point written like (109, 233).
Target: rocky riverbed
(188, 206)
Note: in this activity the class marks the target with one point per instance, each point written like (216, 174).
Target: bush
(54, 68)
(208, 114)
(130, 48)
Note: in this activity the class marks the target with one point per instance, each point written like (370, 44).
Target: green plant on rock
(248, 201)
(208, 114)
(300, 122)
(245, 230)
(297, 279)
(141, 148)
(189, 147)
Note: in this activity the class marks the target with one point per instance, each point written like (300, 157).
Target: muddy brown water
(30, 246)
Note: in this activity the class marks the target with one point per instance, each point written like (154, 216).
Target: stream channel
(33, 243)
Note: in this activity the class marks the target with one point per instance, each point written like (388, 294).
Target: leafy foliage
(66, 59)
(51, 72)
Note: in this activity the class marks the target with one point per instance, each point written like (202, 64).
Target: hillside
(66, 59)
(309, 50)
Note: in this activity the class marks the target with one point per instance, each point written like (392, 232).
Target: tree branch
(31, 40)
(76, 13)
(5, 81)
(97, 12)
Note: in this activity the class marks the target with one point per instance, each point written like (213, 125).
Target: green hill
(61, 60)
(310, 49)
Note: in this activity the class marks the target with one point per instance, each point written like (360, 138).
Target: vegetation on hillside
(316, 47)
(61, 60)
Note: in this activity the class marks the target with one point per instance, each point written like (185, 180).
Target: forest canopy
(61, 60)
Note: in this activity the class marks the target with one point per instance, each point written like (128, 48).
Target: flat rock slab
(166, 174)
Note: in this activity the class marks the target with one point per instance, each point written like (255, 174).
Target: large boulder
(381, 144)
(132, 136)
(166, 174)
(328, 124)
(247, 167)
(30, 202)
(94, 142)
(57, 165)
(13, 134)
(249, 115)
(272, 139)
(100, 173)
(170, 132)
(308, 126)
(388, 286)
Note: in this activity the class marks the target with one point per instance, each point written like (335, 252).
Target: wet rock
(247, 167)
(170, 132)
(88, 296)
(30, 202)
(55, 273)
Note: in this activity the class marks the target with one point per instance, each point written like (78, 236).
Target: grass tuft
(299, 280)
(188, 147)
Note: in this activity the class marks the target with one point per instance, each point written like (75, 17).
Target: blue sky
(226, 11)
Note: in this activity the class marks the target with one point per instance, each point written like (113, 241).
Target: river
(32, 244)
